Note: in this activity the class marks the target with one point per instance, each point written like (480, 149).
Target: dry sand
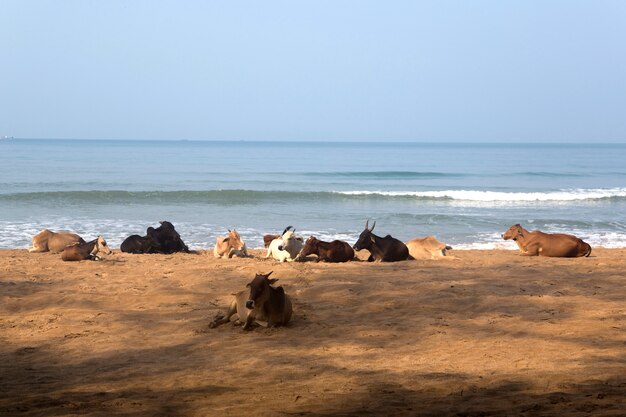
(490, 333)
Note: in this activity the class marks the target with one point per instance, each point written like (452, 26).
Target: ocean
(465, 194)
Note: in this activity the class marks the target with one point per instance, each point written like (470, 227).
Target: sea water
(466, 194)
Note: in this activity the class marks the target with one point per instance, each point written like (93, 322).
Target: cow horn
(268, 274)
(367, 224)
(373, 226)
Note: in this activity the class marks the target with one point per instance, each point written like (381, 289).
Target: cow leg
(221, 319)
(36, 248)
(530, 250)
(247, 325)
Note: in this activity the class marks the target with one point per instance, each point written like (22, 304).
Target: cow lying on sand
(335, 251)
(168, 238)
(84, 251)
(267, 239)
(263, 304)
(382, 249)
(229, 246)
(285, 248)
(163, 239)
(47, 240)
(141, 244)
(546, 244)
(427, 248)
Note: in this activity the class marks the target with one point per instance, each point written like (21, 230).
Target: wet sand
(490, 333)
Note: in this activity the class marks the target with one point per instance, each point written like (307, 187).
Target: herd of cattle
(269, 306)
(289, 247)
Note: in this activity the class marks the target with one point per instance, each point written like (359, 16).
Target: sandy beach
(489, 333)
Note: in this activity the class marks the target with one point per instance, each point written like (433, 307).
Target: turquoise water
(465, 194)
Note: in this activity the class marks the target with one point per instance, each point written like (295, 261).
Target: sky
(349, 70)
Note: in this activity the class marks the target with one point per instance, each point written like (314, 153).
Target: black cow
(168, 238)
(382, 249)
(163, 239)
(141, 244)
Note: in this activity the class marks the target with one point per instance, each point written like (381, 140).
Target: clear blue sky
(307, 70)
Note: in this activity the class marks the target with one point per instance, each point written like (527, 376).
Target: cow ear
(372, 239)
(272, 281)
(248, 285)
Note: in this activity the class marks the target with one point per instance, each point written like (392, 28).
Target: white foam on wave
(202, 235)
(497, 196)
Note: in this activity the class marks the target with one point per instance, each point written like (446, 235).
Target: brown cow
(263, 304)
(84, 251)
(546, 244)
(427, 248)
(335, 251)
(229, 246)
(47, 240)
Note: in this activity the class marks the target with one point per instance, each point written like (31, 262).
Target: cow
(427, 248)
(262, 304)
(229, 246)
(285, 248)
(47, 240)
(168, 238)
(88, 250)
(546, 244)
(141, 244)
(267, 239)
(382, 249)
(335, 251)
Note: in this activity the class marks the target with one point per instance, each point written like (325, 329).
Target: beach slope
(490, 333)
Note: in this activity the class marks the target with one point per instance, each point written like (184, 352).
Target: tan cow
(428, 248)
(47, 240)
(229, 246)
(546, 244)
(84, 251)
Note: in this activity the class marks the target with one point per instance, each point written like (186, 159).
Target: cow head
(259, 290)
(513, 233)
(234, 240)
(310, 247)
(291, 243)
(101, 247)
(366, 237)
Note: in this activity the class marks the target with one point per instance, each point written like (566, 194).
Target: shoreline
(489, 333)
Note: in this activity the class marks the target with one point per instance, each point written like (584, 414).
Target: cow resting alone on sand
(285, 248)
(47, 240)
(382, 249)
(427, 248)
(229, 246)
(335, 251)
(547, 244)
(263, 304)
(84, 251)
